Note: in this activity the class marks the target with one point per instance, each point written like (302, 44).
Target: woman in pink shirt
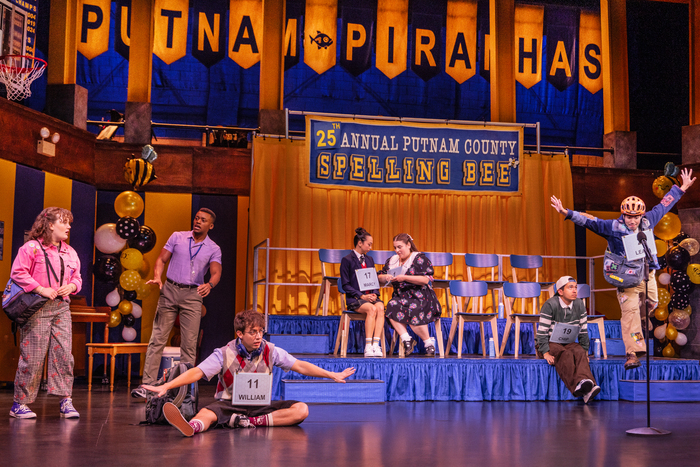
(50, 267)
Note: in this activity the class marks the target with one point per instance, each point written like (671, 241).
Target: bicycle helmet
(633, 206)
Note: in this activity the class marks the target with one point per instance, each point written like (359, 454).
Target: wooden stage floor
(393, 434)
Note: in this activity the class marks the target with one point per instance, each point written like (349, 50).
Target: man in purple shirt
(191, 255)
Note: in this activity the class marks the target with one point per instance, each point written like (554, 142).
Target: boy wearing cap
(569, 359)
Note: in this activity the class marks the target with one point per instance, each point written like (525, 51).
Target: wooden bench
(113, 350)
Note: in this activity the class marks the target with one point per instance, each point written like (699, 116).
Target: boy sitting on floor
(570, 359)
(249, 353)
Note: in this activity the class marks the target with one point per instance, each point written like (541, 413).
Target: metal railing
(265, 281)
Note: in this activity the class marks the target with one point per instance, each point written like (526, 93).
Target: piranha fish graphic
(322, 40)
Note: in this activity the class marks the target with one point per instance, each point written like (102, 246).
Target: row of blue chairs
(460, 291)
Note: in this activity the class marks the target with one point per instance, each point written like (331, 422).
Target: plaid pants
(50, 325)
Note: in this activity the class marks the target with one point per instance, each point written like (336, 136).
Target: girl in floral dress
(413, 302)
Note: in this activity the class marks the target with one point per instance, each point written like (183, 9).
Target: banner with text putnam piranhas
(344, 153)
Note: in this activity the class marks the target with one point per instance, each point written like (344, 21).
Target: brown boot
(632, 361)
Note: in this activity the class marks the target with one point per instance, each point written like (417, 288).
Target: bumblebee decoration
(140, 172)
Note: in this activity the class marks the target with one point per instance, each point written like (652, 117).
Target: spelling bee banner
(346, 153)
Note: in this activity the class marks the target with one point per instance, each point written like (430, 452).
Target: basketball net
(18, 72)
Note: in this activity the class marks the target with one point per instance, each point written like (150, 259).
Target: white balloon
(136, 310)
(107, 240)
(128, 334)
(664, 278)
(113, 298)
(660, 332)
(681, 339)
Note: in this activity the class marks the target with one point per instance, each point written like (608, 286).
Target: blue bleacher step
(661, 391)
(356, 391)
(301, 343)
(616, 347)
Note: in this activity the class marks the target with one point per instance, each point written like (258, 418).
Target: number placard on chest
(252, 389)
(367, 279)
(564, 333)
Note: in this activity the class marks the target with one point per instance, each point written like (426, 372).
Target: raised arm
(687, 179)
(556, 204)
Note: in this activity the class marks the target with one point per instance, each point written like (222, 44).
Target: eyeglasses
(255, 333)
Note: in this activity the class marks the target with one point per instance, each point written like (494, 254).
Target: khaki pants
(173, 301)
(631, 318)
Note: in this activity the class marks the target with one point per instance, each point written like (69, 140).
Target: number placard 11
(252, 389)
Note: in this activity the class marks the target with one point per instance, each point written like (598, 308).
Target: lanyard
(50, 267)
(193, 256)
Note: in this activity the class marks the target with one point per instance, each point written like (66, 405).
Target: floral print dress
(410, 303)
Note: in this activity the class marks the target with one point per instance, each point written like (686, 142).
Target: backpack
(185, 398)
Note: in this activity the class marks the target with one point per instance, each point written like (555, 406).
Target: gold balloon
(144, 290)
(664, 297)
(668, 351)
(130, 280)
(687, 310)
(125, 307)
(145, 268)
(693, 272)
(661, 186)
(131, 258)
(661, 247)
(690, 244)
(668, 227)
(671, 332)
(115, 318)
(129, 203)
(661, 313)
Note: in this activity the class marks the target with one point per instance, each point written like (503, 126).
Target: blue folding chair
(531, 262)
(523, 291)
(584, 293)
(380, 256)
(341, 338)
(328, 257)
(473, 260)
(442, 260)
(469, 290)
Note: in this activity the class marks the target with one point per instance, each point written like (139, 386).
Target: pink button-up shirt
(29, 268)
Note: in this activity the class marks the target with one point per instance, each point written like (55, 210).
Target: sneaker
(139, 392)
(175, 418)
(430, 351)
(583, 387)
(593, 392)
(377, 350)
(632, 361)
(369, 350)
(408, 347)
(67, 409)
(240, 421)
(21, 411)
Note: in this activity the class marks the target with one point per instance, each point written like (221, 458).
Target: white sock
(368, 341)
(429, 341)
(375, 341)
(405, 337)
(198, 425)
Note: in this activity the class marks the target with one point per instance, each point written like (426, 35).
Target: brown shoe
(632, 361)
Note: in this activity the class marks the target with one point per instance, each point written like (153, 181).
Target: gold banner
(392, 37)
(170, 29)
(460, 51)
(245, 32)
(93, 27)
(320, 34)
(529, 20)
(590, 58)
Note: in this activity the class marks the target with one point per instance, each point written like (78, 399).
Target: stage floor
(391, 434)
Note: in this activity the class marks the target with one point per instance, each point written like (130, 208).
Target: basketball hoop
(18, 72)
